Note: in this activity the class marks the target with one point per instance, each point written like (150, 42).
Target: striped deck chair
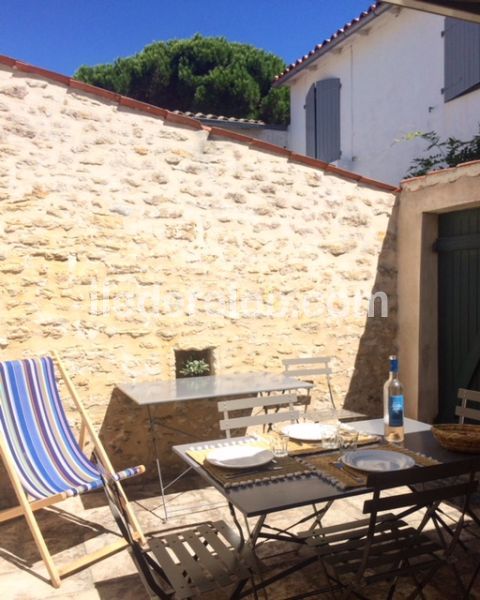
(43, 459)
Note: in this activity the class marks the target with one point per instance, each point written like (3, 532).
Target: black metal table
(275, 496)
(261, 499)
(149, 393)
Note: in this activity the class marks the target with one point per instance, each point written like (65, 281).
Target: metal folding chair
(384, 546)
(284, 411)
(209, 558)
(310, 367)
(465, 410)
(282, 401)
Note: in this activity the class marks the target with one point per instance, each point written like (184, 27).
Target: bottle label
(395, 411)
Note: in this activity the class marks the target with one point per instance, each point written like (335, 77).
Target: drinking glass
(330, 440)
(279, 443)
(348, 439)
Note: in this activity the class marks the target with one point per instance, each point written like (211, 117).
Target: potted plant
(194, 367)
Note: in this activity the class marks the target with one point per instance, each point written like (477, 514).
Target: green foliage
(194, 367)
(443, 154)
(202, 74)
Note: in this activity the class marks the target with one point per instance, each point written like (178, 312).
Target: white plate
(239, 457)
(377, 460)
(308, 432)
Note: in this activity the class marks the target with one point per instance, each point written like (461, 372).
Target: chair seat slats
(407, 570)
(217, 569)
(197, 561)
(174, 572)
(351, 531)
(194, 567)
(227, 556)
(201, 572)
(384, 534)
(384, 554)
(247, 557)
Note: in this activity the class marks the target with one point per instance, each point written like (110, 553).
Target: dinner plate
(377, 460)
(308, 432)
(239, 457)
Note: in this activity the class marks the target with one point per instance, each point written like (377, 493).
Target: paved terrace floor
(68, 534)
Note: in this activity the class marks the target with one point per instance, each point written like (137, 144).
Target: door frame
(422, 199)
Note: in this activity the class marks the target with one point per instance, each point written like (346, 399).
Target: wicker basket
(459, 438)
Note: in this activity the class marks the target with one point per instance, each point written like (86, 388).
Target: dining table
(304, 486)
(209, 387)
(260, 494)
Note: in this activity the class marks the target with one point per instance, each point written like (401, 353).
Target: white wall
(391, 86)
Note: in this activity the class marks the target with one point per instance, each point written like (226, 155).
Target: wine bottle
(393, 405)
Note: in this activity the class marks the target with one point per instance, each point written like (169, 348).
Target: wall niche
(194, 362)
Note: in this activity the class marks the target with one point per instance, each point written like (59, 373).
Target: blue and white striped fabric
(33, 423)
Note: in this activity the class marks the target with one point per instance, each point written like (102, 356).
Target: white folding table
(149, 393)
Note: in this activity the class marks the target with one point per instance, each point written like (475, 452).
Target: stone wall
(124, 237)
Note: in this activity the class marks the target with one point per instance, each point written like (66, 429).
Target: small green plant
(193, 367)
(443, 154)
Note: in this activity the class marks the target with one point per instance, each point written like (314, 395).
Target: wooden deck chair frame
(307, 367)
(27, 508)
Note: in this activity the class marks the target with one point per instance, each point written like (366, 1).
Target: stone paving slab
(23, 576)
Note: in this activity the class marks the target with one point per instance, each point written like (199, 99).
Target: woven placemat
(282, 468)
(297, 448)
(328, 466)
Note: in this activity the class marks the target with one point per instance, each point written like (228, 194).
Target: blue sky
(61, 35)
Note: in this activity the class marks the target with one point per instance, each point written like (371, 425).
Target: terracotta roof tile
(91, 89)
(271, 148)
(188, 121)
(172, 117)
(211, 117)
(323, 45)
(218, 132)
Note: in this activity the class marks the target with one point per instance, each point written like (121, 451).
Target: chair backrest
(441, 482)
(36, 434)
(313, 367)
(300, 367)
(465, 410)
(283, 401)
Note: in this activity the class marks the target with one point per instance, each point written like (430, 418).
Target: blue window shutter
(328, 119)
(462, 57)
(310, 121)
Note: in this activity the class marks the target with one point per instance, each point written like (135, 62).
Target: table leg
(157, 460)
(231, 508)
(256, 530)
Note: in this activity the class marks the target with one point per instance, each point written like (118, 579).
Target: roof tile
(91, 89)
(271, 148)
(342, 31)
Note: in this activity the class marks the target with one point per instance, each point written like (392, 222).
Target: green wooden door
(458, 307)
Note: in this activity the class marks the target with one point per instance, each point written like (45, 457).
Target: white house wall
(392, 80)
